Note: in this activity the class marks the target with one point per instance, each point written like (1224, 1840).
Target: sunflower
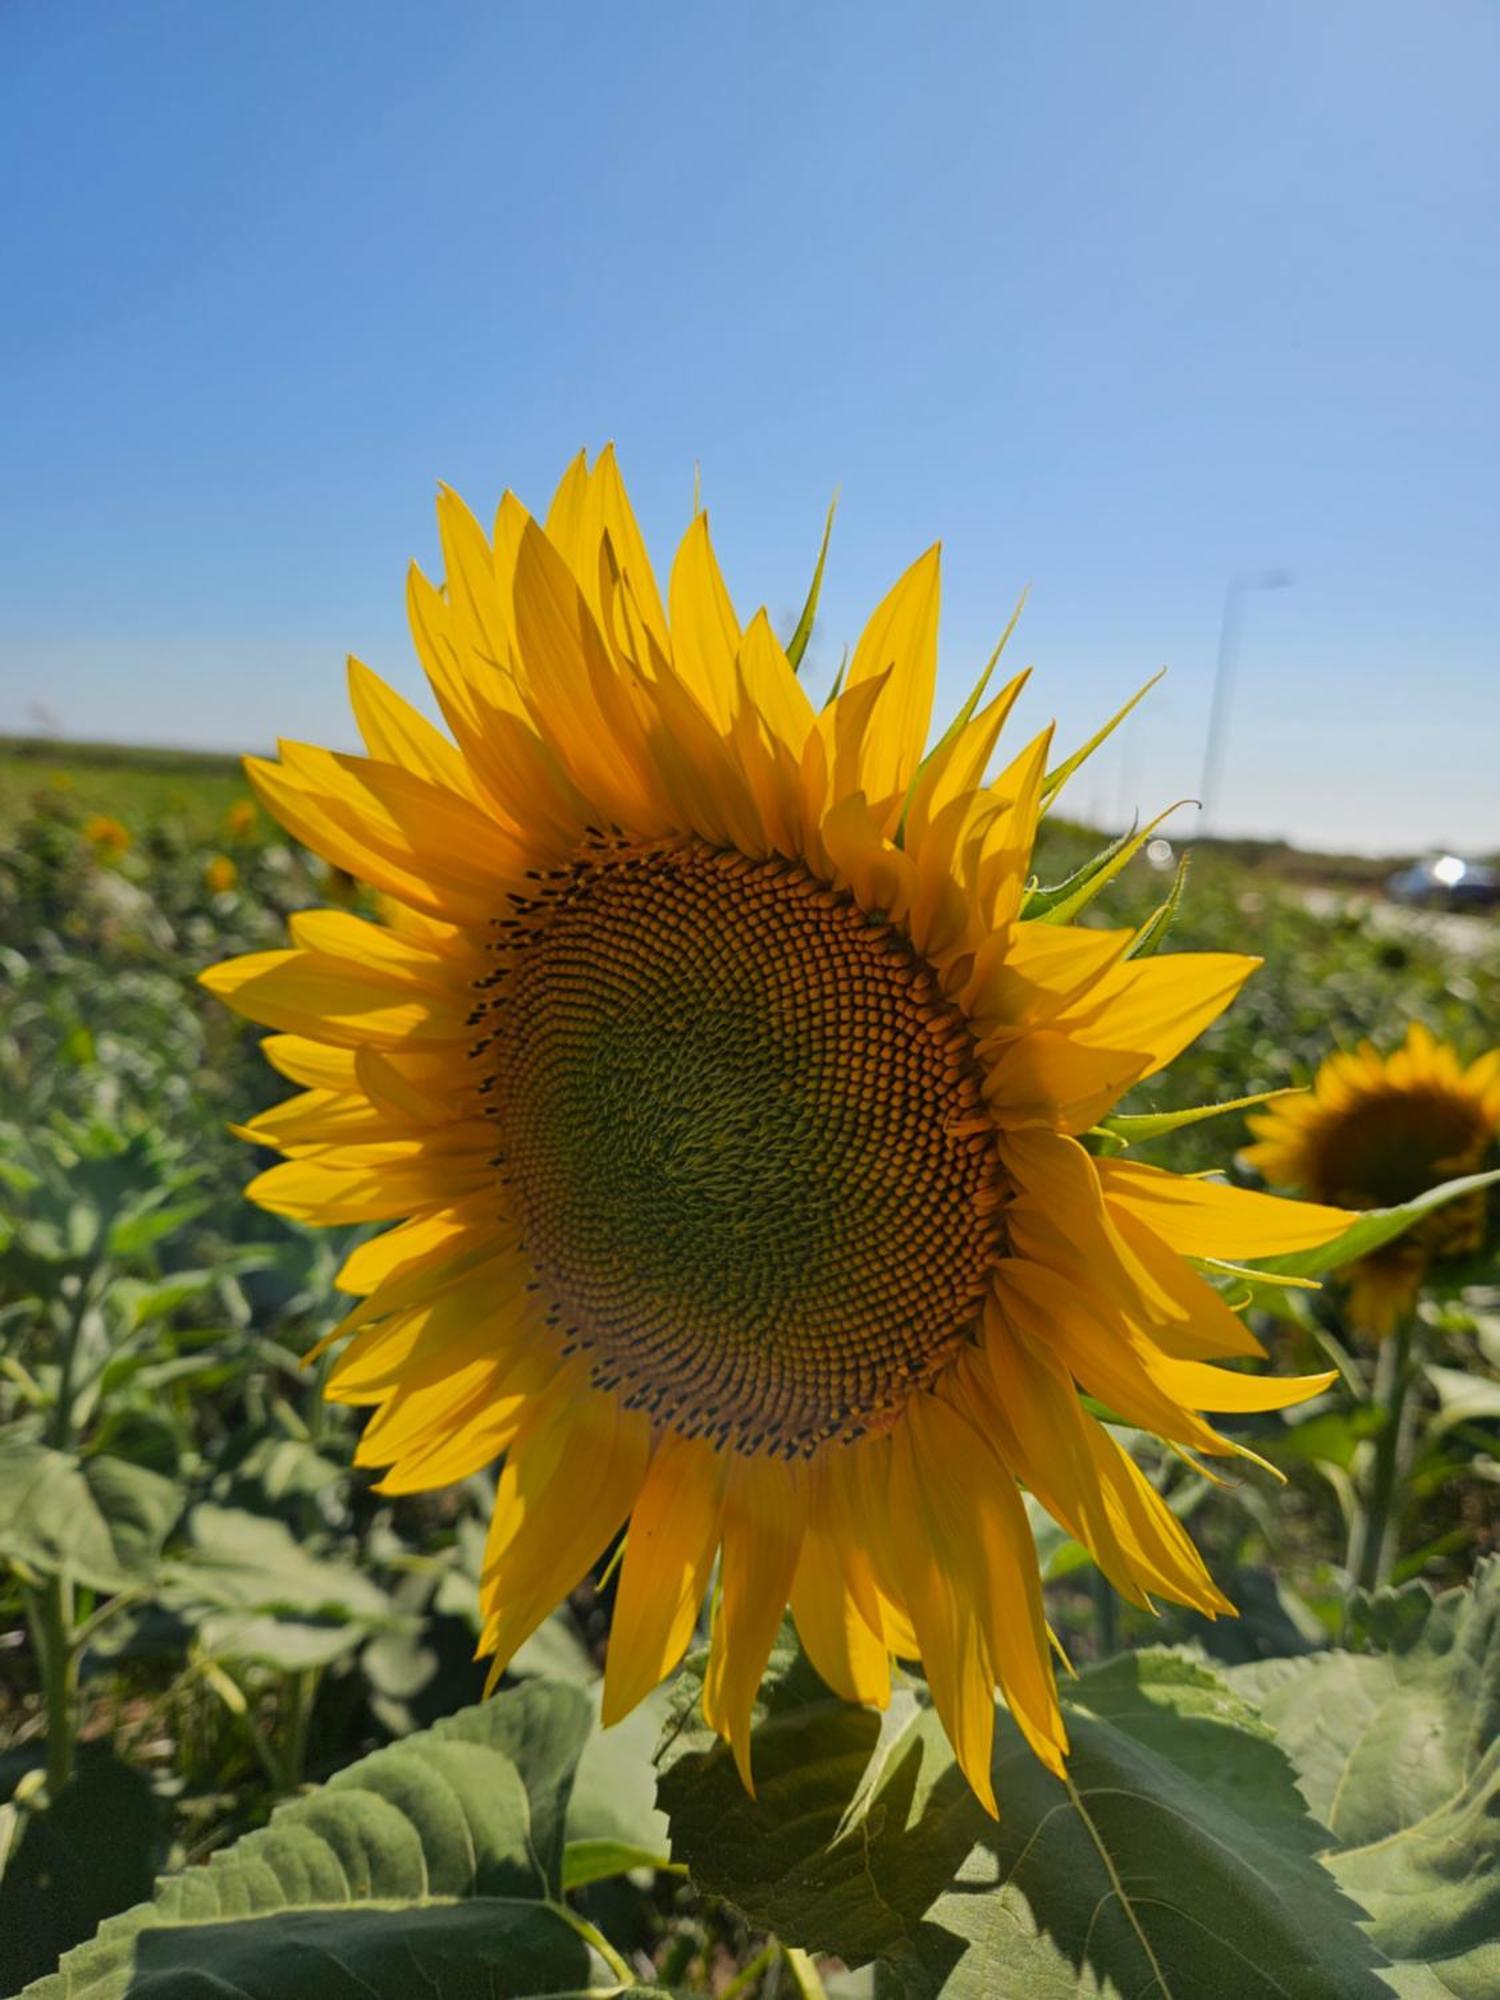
(107, 836)
(1377, 1131)
(729, 1107)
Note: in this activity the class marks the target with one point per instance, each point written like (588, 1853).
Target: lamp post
(1229, 646)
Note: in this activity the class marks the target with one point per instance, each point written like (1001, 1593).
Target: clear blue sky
(1114, 299)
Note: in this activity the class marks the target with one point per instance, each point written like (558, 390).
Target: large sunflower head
(1376, 1131)
(728, 1103)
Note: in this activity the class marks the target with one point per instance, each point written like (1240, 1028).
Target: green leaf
(1376, 1226)
(253, 1562)
(100, 1520)
(1398, 1752)
(586, 1861)
(1180, 1861)
(432, 1867)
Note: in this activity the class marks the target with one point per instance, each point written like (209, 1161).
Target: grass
(136, 785)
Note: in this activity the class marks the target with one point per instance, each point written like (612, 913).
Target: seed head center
(743, 1132)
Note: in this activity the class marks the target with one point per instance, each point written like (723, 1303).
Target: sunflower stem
(1377, 1524)
(1106, 1616)
(50, 1612)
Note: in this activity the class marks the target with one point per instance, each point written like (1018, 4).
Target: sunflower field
(404, 1610)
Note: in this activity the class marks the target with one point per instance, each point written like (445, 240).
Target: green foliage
(1180, 1856)
(1397, 1751)
(210, 1611)
(437, 1863)
(100, 1521)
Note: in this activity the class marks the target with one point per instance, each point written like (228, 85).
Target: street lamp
(1229, 647)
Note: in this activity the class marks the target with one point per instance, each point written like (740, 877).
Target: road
(1461, 937)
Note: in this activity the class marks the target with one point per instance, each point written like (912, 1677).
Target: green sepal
(1152, 934)
(796, 646)
(1060, 905)
(1128, 1128)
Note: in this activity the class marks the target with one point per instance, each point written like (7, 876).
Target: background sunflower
(1376, 1131)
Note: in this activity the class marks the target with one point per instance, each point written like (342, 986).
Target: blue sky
(1116, 300)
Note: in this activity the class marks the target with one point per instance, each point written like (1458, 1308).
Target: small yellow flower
(108, 838)
(1376, 1131)
(220, 875)
(730, 1112)
(240, 820)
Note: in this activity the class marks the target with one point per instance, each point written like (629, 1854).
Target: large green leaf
(100, 1520)
(432, 1867)
(1179, 1862)
(1398, 1752)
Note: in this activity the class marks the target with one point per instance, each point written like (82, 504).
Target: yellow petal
(629, 546)
(581, 706)
(1196, 1324)
(343, 1187)
(1051, 1315)
(319, 1118)
(459, 1426)
(705, 630)
(336, 1000)
(395, 733)
(958, 763)
(417, 1245)
(948, 1625)
(900, 642)
(567, 1484)
(340, 934)
(1027, 1404)
(1207, 1219)
(1005, 860)
(674, 1531)
(762, 1535)
(317, 1064)
(395, 831)
(1156, 1005)
(1045, 1078)
(471, 1316)
(766, 679)
(1025, 974)
(844, 1651)
(981, 1534)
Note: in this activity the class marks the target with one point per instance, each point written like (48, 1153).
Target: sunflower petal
(762, 1538)
(674, 1532)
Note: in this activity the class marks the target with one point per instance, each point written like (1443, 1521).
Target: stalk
(1376, 1533)
(57, 1656)
(301, 1688)
(1106, 1615)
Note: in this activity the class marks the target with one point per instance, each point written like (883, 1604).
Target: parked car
(1446, 882)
